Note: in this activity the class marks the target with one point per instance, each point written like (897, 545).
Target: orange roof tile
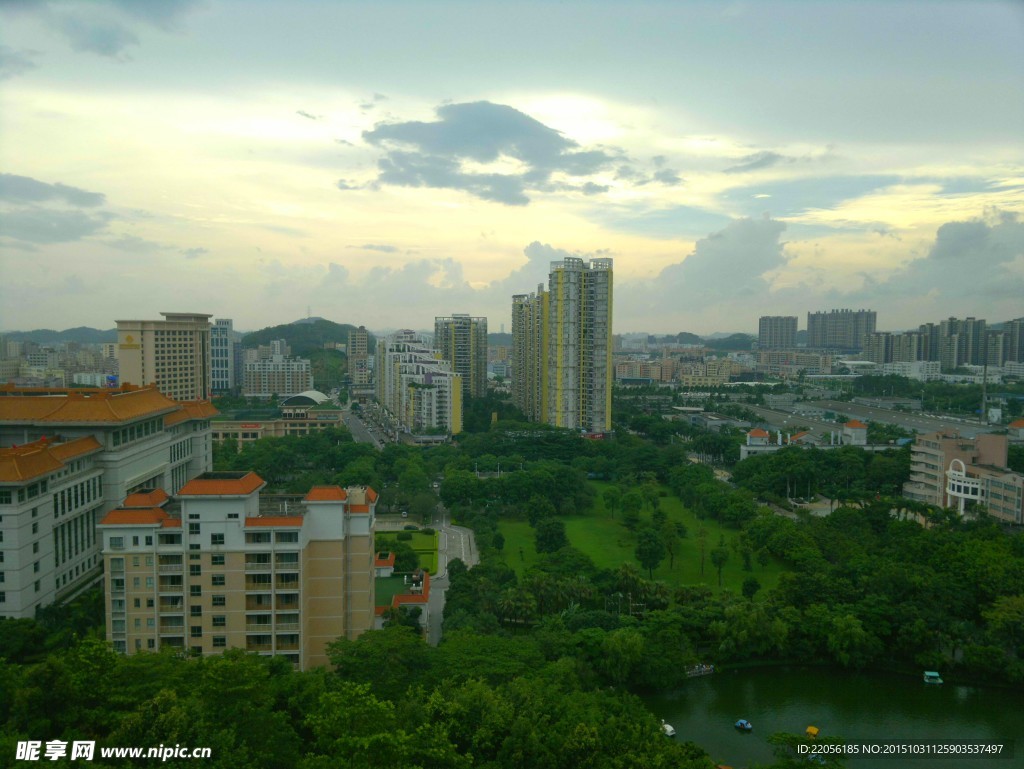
(221, 487)
(856, 424)
(151, 516)
(359, 508)
(191, 410)
(153, 498)
(287, 521)
(86, 406)
(171, 523)
(389, 561)
(1017, 423)
(371, 494)
(32, 460)
(326, 494)
(757, 432)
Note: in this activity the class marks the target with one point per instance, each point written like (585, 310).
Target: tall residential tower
(562, 347)
(462, 341)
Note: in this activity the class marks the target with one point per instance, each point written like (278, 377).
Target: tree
(550, 533)
(612, 497)
(650, 550)
(670, 539)
(719, 557)
(750, 587)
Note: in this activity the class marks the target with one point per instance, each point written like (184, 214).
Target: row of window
(33, 490)
(181, 450)
(73, 497)
(74, 537)
(138, 431)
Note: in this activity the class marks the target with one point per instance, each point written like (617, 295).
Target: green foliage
(304, 338)
(650, 549)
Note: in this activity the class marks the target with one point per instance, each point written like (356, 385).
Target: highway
(905, 419)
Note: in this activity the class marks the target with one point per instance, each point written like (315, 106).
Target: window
(287, 536)
(195, 570)
(38, 585)
(149, 603)
(149, 540)
(150, 622)
(35, 567)
(196, 631)
(219, 641)
(257, 538)
(138, 623)
(135, 560)
(195, 611)
(193, 528)
(117, 543)
(35, 528)
(195, 590)
(219, 620)
(218, 580)
(135, 541)
(137, 603)
(149, 582)
(150, 643)
(216, 539)
(217, 559)
(3, 597)
(136, 582)
(219, 600)
(35, 547)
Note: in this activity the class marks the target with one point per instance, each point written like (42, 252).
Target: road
(453, 542)
(360, 431)
(905, 419)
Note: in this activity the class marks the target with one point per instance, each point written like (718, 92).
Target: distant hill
(732, 342)
(304, 336)
(80, 334)
(683, 337)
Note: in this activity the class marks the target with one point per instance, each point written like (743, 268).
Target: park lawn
(425, 546)
(609, 544)
(520, 551)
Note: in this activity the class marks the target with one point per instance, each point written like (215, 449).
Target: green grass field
(610, 544)
(425, 546)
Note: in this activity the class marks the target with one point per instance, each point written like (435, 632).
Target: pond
(864, 706)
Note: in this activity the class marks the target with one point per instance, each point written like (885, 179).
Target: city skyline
(252, 160)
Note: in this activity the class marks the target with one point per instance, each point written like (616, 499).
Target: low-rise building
(208, 571)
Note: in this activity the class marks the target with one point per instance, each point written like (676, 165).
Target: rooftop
(94, 406)
(46, 455)
(224, 484)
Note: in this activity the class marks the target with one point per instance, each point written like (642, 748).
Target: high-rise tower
(562, 347)
(174, 353)
(462, 341)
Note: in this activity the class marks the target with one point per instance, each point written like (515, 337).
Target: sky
(382, 163)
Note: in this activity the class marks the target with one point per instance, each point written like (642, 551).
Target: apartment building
(562, 347)
(462, 341)
(358, 352)
(949, 470)
(207, 571)
(776, 332)
(67, 458)
(277, 375)
(173, 353)
(839, 329)
(416, 387)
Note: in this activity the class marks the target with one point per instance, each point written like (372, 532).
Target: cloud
(438, 154)
(674, 222)
(24, 189)
(308, 115)
(757, 161)
(793, 197)
(42, 225)
(134, 243)
(103, 37)
(344, 185)
(14, 63)
(383, 248)
(194, 253)
(167, 15)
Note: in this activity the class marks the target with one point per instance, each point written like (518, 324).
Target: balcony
(172, 605)
(170, 587)
(257, 584)
(257, 566)
(258, 602)
(257, 627)
(287, 626)
(170, 567)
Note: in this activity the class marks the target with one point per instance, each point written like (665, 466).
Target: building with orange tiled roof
(51, 492)
(173, 353)
(214, 573)
(855, 433)
(67, 458)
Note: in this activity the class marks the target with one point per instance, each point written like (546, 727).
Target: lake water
(858, 707)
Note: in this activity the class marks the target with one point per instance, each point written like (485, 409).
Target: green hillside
(304, 338)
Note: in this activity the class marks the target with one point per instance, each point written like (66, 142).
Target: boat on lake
(932, 677)
(744, 725)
